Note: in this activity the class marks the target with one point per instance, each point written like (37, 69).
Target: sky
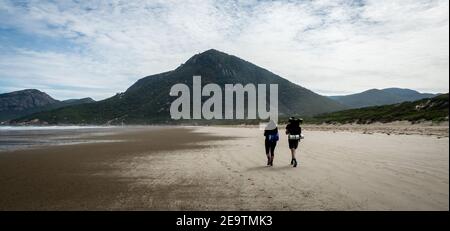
(76, 48)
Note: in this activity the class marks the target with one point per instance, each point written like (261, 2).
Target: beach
(224, 168)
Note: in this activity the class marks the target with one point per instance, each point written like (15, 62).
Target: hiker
(271, 134)
(294, 133)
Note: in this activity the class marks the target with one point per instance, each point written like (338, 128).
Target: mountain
(20, 103)
(148, 100)
(376, 97)
(69, 102)
(430, 109)
(25, 102)
(408, 94)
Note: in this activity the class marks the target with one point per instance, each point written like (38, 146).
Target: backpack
(273, 138)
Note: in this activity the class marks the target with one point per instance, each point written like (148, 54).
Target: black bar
(167, 220)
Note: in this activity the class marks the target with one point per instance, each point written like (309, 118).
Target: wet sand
(223, 168)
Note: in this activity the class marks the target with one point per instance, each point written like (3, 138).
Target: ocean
(26, 137)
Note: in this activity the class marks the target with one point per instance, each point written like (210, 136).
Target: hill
(434, 109)
(376, 97)
(148, 100)
(25, 102)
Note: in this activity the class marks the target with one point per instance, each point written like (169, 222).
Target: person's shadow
(273, 168)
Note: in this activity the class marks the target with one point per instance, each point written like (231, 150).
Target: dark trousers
(270, 145)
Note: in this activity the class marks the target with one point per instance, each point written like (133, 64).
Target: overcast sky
(74, 49)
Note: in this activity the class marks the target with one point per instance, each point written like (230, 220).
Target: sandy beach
(223, 168)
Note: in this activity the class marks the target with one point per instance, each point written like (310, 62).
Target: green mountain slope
(430, 109)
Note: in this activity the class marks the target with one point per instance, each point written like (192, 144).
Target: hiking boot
(295, 163)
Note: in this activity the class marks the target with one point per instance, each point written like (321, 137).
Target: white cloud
(327, 46)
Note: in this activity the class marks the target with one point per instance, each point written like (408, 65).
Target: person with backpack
(271, 134)
(294, 133)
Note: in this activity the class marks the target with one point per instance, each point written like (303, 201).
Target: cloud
(332, 47)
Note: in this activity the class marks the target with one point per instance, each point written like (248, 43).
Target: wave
(70, 127)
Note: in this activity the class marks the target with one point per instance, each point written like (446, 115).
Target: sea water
(25, 137)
